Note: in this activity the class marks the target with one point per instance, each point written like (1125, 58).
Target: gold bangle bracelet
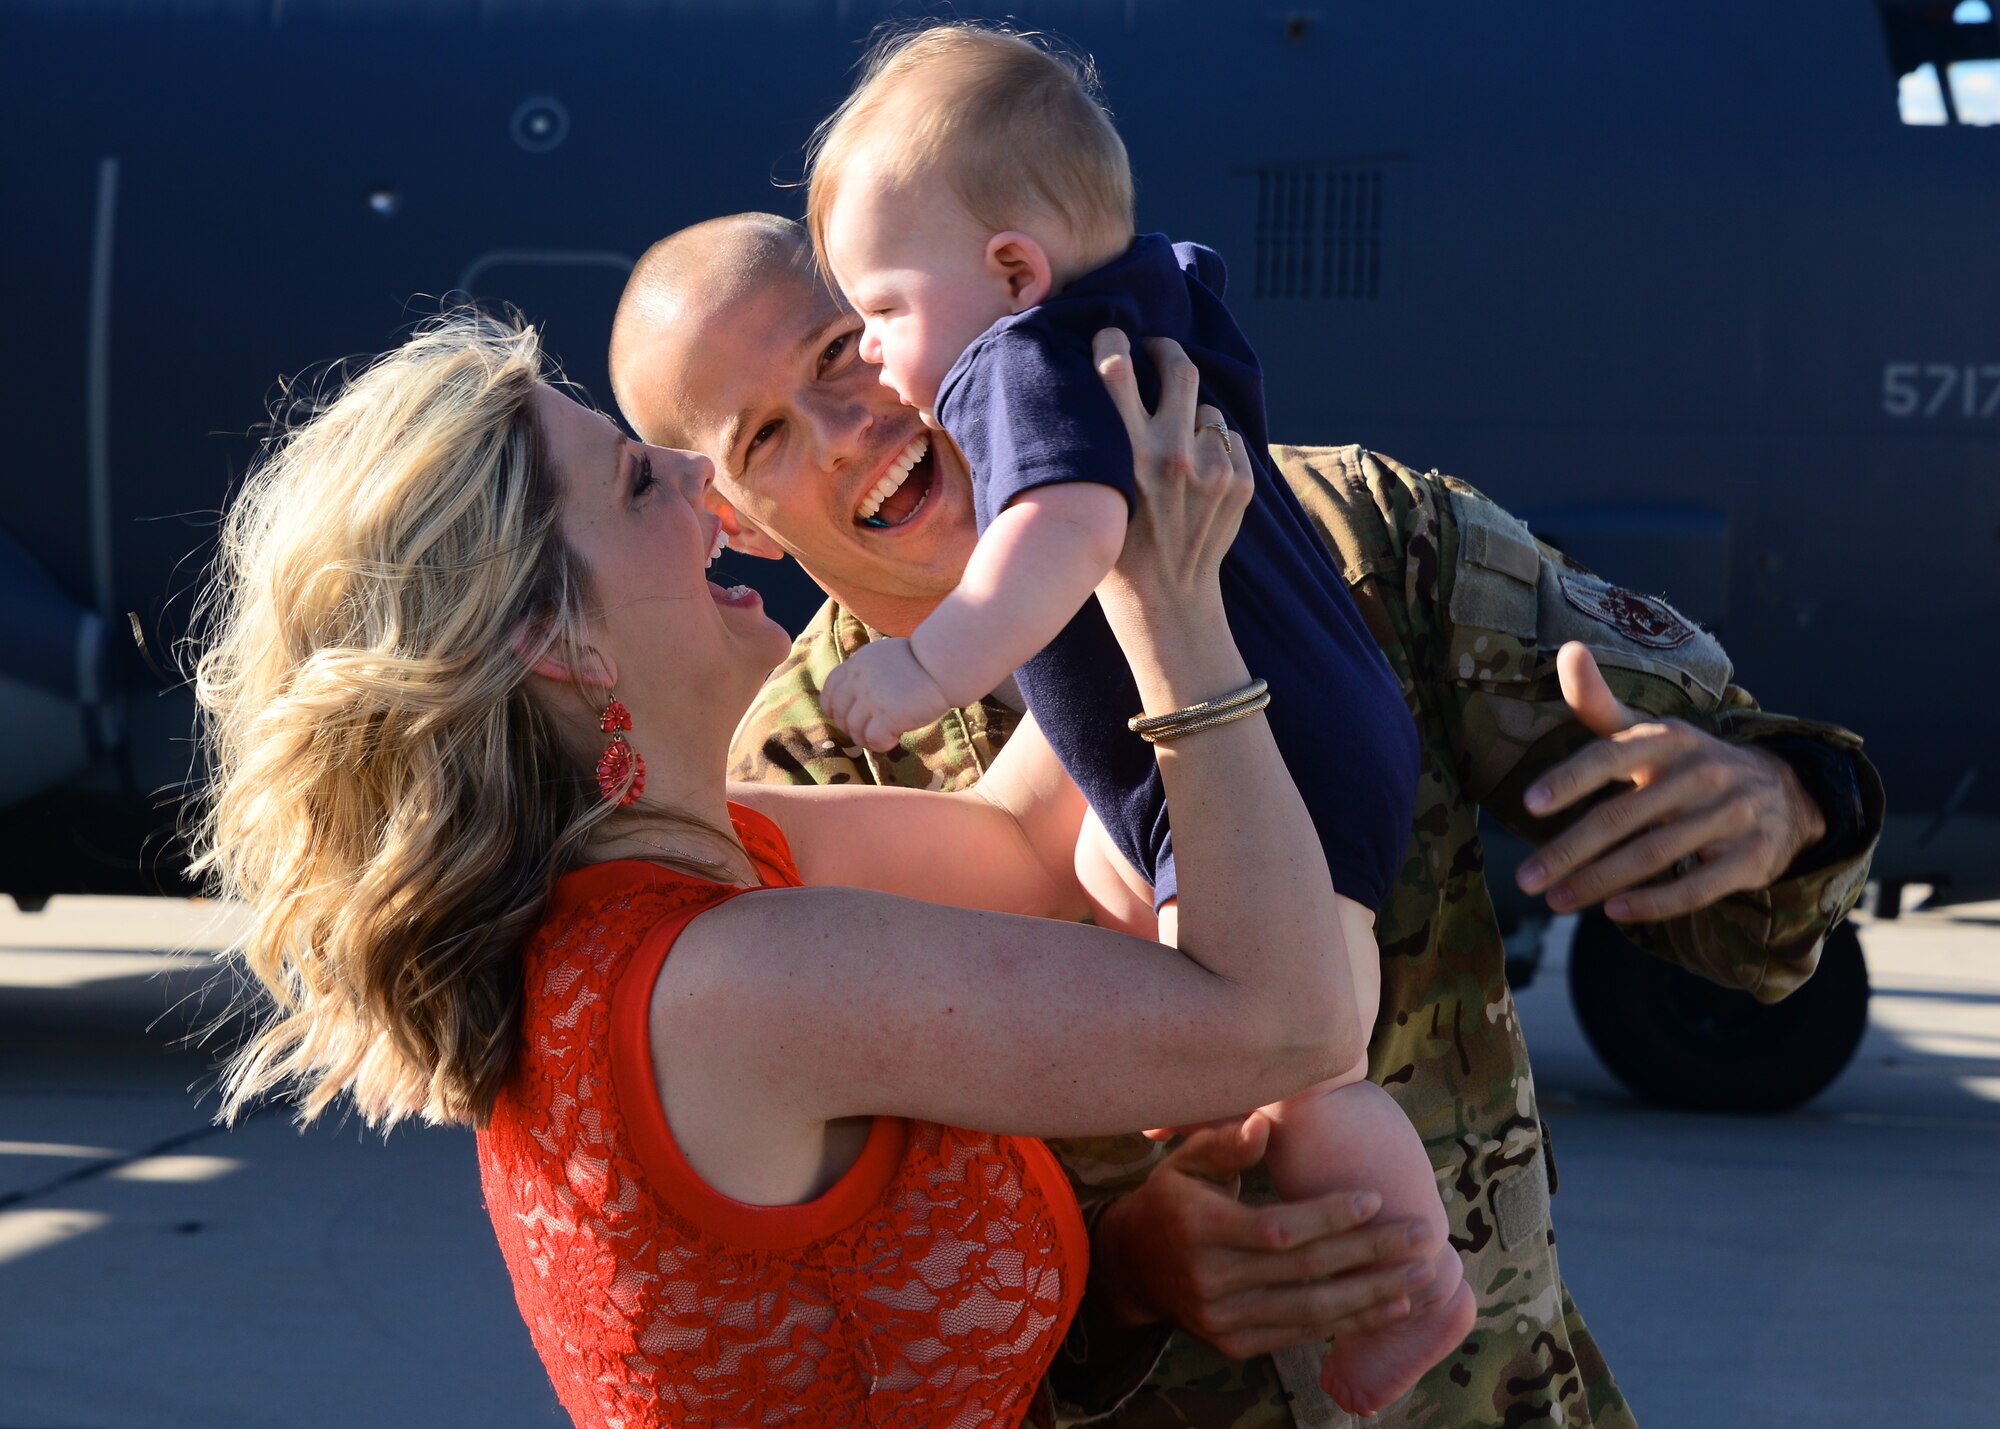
(1142, 724)
(1205, 721)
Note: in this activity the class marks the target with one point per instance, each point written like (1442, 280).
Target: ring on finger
(1228, 447)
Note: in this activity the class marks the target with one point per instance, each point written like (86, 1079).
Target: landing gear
(1678, 1041)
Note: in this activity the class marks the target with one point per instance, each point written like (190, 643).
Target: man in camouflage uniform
(727, 343)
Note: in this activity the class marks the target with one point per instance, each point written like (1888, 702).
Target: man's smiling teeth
(893, 479)
(717, 546)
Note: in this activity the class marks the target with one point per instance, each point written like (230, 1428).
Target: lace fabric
(930, 1286)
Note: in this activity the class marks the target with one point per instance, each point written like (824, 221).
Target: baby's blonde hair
(383, 791)
(1006, 119)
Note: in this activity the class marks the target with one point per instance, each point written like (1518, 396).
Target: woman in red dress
(468, 699)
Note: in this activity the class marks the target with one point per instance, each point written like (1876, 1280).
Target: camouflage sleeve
(784, 737)
(1503, 604)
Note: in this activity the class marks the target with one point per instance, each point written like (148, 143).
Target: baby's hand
(880, 692)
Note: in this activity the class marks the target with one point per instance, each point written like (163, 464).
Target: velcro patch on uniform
(1499, 549)
(1499, 564)
(1642, 619)
(1521, 1204)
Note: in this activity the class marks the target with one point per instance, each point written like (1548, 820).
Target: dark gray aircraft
(1704, 290)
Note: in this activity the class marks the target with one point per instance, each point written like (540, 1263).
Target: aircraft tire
(1677, 1040)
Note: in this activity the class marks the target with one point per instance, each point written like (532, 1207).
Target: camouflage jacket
(1469, 609)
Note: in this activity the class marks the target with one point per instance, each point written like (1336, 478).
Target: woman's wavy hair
(383, 790)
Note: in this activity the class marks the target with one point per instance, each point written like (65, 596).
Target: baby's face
(913, 264)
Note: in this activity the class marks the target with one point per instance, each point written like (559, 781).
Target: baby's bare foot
(1367, 1373)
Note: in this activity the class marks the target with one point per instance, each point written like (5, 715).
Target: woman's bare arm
(1005, 844)
(841, 1002)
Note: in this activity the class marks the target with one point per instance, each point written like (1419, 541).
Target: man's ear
(545, 657)
(1022, 264)
(744, 535)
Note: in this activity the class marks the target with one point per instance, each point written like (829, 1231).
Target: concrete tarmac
(1832, 1268)
(1836, 1268)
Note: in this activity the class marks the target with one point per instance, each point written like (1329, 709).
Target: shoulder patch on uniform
(1642, 619)
(1628, 631)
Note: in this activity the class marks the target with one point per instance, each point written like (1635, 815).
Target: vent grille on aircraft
(1319, 233)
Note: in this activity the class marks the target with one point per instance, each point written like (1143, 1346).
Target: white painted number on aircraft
(1927, 389)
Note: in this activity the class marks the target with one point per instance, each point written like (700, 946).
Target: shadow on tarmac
(157, 1269)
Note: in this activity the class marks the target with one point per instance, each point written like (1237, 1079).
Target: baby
(974, 203)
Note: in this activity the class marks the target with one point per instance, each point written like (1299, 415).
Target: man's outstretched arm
(1603, 727)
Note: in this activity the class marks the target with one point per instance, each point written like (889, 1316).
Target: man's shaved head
(727, 342)
(680, 282)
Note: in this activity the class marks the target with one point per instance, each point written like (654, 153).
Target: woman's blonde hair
(383, 790)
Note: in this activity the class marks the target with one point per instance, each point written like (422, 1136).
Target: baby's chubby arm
(1029, 575)
(1033, 569)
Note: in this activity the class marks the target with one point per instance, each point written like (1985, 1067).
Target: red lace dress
(929, 1286)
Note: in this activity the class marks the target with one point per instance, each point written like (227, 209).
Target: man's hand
(1737, 815)
(881, 692)
(1249, 1279)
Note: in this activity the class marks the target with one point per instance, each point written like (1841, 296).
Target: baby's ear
(546, 657)
(1022, 264)
(744, 534)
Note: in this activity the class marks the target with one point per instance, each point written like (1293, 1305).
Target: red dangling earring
(621, 773)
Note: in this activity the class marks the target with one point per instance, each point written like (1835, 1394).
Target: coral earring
(621, 773)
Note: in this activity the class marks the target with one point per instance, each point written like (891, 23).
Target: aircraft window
(1946, 59)
(1920, 97)
(1975, 91)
